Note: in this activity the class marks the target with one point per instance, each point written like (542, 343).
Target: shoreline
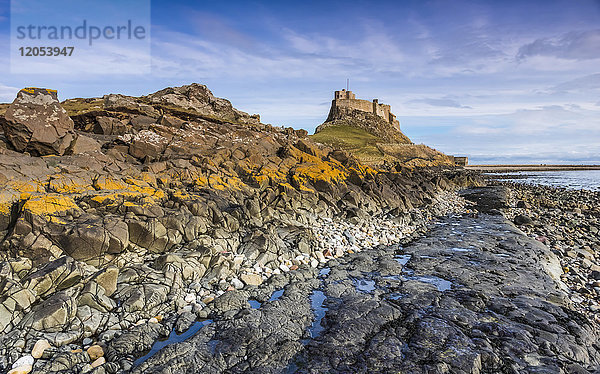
(567, 222)
(459, 266)
(174, 293)
(515, 168)
(469, 279)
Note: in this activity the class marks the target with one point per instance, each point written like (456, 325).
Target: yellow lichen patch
(148, 178)
(31, 90)
(26, 187)
(312, 169)
(137, 182)
(129, 189)
(127, 198)
(7, 199)
(265, 177)
(260, 180)
(148, 191)
(110, 198)
(180, 195)
(303, 188)
(274, 175)
(49, 204)
(363, 170)
(201, 181)
(144, 188)
(108, 183)
(68, 184)
(313, 172)
(225, 183)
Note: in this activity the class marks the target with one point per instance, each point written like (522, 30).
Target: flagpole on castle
(347, 84)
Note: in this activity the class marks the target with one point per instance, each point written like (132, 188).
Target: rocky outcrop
(161, 210)
(198, 98)
(373, 139)
(368, 121)
(36, 123)
(472, 296)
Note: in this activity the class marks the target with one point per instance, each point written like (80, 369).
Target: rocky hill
(119, 211)
(373, 139)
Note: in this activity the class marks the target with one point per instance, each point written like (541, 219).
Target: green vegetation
(372, 150)
(358, 141)
(80, 106)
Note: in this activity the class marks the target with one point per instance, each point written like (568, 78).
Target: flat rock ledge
(473, 295)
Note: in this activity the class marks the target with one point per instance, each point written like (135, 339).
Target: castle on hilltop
(346, 100)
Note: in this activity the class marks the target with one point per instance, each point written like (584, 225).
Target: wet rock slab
(474, 295)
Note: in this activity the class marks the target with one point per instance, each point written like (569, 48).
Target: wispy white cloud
(7, 93)
(466, 79)
(586, 83)
(440, 102)
(575, 45)
(554, 132)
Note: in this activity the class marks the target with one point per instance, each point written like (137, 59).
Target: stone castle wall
(362, 105)
(346, 100)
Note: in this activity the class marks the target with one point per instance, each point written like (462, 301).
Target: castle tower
(344, 95)
(345, 100)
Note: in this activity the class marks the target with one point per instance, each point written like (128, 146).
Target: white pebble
(237, 284)
(189, 298)
(24, 361)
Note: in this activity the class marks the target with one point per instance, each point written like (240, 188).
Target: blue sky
(499, 81)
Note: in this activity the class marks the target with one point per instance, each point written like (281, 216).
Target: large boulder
(128, 104)
(52, 314)
(198, 98)
(36, 123)
(92, 237)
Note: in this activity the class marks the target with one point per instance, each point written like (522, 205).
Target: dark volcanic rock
(36, 123)
(523, 220)
(489, 199)
(474, 296)
(179, 205)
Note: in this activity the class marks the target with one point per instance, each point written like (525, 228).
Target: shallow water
(364, 285)
(456, 249)
(276, 295)
(395, 296)
(317, 300)
(441, 284)
(402, 259)
(172, 339)
(570, 179)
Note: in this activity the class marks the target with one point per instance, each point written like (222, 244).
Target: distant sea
(571, 179)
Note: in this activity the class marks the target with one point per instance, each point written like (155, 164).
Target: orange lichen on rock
(201, 181)
(225, 183)
(7, 201)
(266, 177)
(69, 185)
(112, 197)
(313, 169)
(26, 187)
(49, 205)
(128, 190)
(108, 183)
